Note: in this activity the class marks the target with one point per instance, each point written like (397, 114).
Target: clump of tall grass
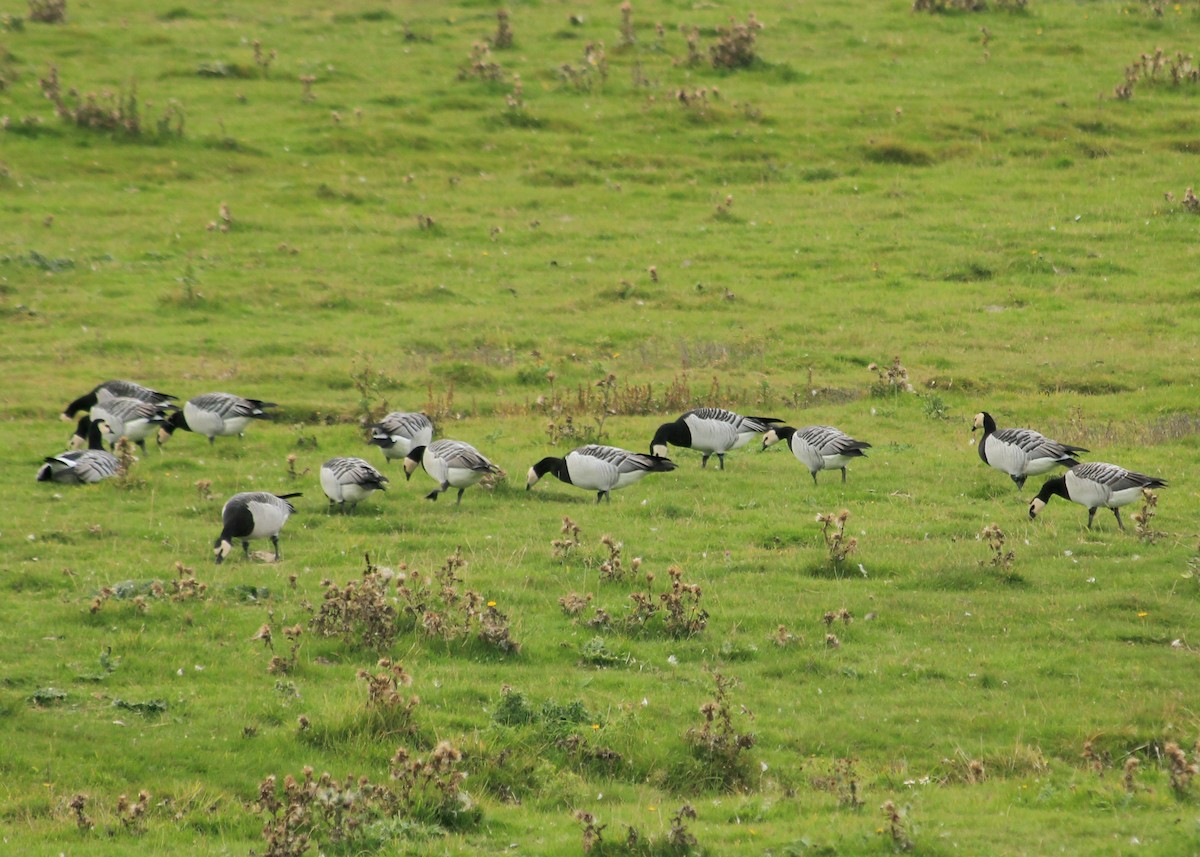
(1155, 68)
(366, 613)
(481, 65)
(675, 612)
(735, 47)
(48, 11)
(330, 812)
(943, 6)
(117, 112)
(590, 73)
(677, 840)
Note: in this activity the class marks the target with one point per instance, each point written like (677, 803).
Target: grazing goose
(451, 464)
(818, 447)
(348, 480)
(110, 389)
(81, 466)
(217, 415)
(709, 430)
(398, 432)
(1096, 485)
(599, 468)
(252, 515)
(125, 416)
(1021, 452)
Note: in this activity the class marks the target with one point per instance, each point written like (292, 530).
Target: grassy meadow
(570, 223)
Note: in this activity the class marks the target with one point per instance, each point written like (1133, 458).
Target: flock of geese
(123, 409)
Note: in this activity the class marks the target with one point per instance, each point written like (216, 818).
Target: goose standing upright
(252, 515)
(710, 431)
(599, 468)
(348, 480)
(1021, 452)
(818, 447)
(451, 464)
(81, 466)
(1095, 485)
(216, 415)
(111, 389)
(398, 432)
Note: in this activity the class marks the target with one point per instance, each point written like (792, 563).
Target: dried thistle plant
(890, 380)
(132, 814)
(833, 531)
(1128, 775)
(1180, 771)
(77, 806)
(592, 832)
(995, 538)
(628, 37)
(719, 741)
(306, 87)
(1145, 516)
(263, 59)
(504, 34)
(898, 826)
(565, 546)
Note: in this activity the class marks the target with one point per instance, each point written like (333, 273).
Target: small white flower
(645, 702)
(1091, 580)
(179, 671)
(31, 538)
(672, 660)
(763, 766)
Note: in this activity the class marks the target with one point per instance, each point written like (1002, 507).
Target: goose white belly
(212, 424)
(595, 474)
(456, 477)
(715, 435)
(810, 456)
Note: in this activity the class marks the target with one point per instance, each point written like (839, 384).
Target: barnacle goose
(81, 466)
(217, 415)
(348, 480)
(599, 468)
(709, 430)
(818, 447)
(124, 416)
(451, 464)
(252, 515)
(1021, 452)
(398, 432)
(111, 389)
(1096, 485)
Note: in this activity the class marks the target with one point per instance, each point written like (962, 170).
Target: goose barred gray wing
(110, 389)
(399, 433)
(831, 441)
(228, 406)
(458, 454)
(79, 467)
(622, 460)
(756, 425)
(348, 480)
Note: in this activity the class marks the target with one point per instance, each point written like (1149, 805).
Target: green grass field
(349, 209)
